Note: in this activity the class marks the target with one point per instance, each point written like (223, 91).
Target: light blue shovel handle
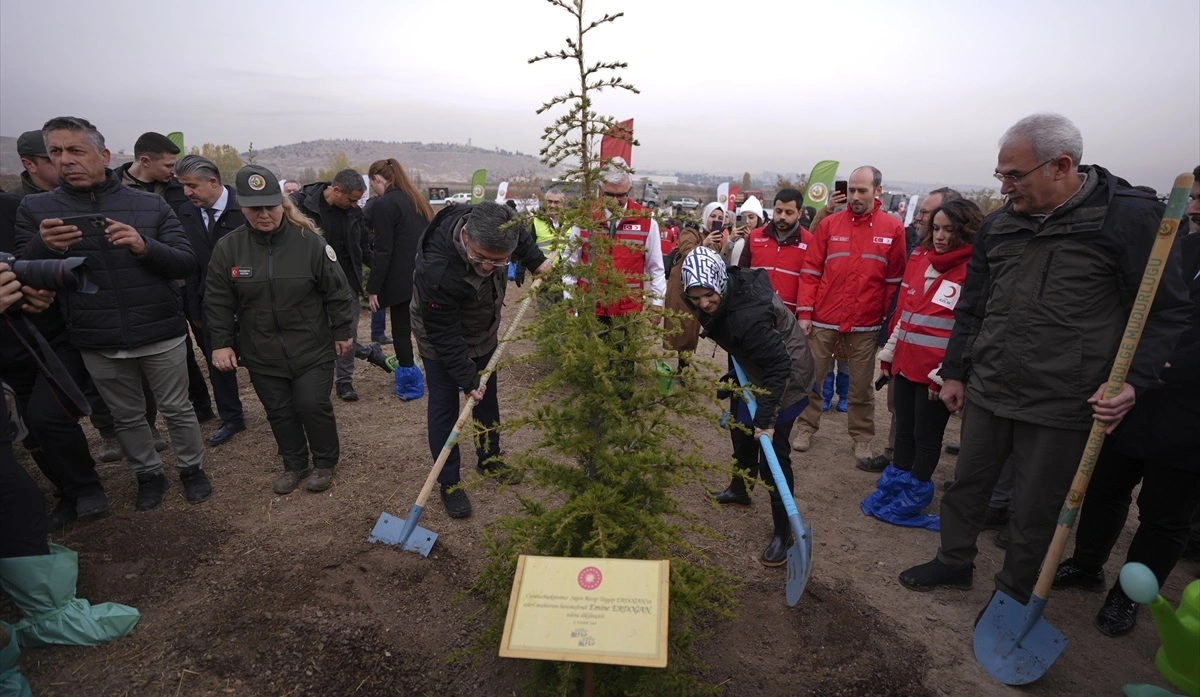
(768, 448)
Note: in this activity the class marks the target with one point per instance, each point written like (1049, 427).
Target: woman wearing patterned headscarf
(737, 308)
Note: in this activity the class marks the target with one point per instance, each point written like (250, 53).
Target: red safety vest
(925, 318)
(781, 262)
(628, 258)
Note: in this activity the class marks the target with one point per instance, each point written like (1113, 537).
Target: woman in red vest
(913, 356)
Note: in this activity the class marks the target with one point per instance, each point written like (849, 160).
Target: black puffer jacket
(755, 327)
(1045, 302)
(138, 303)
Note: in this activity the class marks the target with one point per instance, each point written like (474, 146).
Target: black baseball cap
(32, 144)
(258, 186)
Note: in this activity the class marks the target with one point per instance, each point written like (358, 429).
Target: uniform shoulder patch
(330, 253)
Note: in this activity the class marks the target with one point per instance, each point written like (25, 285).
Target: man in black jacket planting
(133, 326)
(458, 291)
(1037, 325)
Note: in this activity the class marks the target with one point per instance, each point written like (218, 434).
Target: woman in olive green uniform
(294, 313)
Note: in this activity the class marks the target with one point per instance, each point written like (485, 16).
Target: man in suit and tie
(210, 213)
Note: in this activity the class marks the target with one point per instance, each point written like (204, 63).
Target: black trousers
(402, 334)
(197, 388)
(22, 515)
(224, 383)
(55, 439)
(443, 407)
(1168, 498)
(750, 456)
(920, 425)
(301, 416)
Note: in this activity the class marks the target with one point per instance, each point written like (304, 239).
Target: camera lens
(56, 275)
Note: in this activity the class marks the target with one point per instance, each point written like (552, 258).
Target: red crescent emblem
(952, 292)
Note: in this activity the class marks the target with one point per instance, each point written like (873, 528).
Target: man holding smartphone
(132, 327)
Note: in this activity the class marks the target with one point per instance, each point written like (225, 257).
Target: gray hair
(349, 181)
(195, 165)
(76, 124)
(617, 173)
(876, 175)
(945, 192)
(488, 226)
(1051, 136)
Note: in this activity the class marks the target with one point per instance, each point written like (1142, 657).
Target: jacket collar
(112, 182)
(314, 195)
(865, 218)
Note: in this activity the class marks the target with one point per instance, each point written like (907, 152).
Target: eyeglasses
(1014, 178)
(488, 262)
(613, 194)
(482, 261)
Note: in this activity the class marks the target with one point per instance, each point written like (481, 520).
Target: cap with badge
(258, 187)
(32, 144)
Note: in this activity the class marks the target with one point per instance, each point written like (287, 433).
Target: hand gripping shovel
(1012, 641)
(404, 532)
(799, 555)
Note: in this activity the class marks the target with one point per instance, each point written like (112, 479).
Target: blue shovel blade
(1012, 641)
(799, 564)
(391, 530)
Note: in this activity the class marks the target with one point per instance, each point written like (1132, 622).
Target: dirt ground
(254, 594)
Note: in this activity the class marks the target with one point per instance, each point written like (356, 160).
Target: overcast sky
(921, 89)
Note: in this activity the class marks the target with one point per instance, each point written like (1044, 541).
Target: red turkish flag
(618, 142)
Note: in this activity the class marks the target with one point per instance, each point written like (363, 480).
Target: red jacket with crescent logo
(851, 271)
(782, 262)
(634, 232)
(925, 317)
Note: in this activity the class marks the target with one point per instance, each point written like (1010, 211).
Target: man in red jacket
(851, 272)
(780, 246)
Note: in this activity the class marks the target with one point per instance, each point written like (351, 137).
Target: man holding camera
(133, 325)
(35, 361)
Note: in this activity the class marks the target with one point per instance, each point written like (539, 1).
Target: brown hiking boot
(287, 482)
(803, 441)
(320, 479)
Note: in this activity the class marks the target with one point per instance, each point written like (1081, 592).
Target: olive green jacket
(288, 294)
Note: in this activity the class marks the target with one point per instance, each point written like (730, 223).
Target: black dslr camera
(52, 274)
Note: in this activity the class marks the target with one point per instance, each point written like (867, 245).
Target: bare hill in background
(437, 162)
(434, 162)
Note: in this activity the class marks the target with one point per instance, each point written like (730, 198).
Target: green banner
(477, 182)
(176, 137)
(819, 183)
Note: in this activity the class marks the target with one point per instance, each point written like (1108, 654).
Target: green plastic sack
(12, 683)
(43, 588)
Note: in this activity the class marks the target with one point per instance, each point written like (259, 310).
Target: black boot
(150, 490)
(781, 536)
(734, 493)
(1119, 614)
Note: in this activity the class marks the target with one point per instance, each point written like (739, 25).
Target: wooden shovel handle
(465, 415)
(1116, 378)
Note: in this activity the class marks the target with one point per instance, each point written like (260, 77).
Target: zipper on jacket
(271, 289)
(112, 272)
(1045, 275)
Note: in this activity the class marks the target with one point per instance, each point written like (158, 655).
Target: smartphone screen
(841, 187)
